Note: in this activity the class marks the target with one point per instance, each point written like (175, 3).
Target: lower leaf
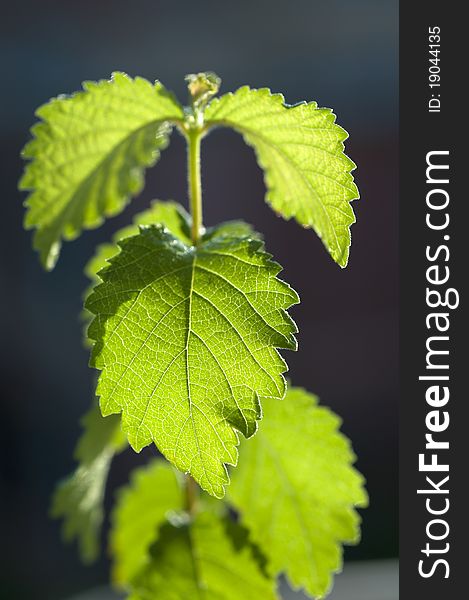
(207, 559)
(296, 490)
(78, 500)
(141, 508)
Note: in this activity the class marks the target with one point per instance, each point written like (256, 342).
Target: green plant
(185, 324)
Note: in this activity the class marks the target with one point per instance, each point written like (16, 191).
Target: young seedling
(185, 325)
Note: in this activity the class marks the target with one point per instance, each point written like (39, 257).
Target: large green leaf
(79, 498)
(208, 559)
(186, 339)
(301, 151)
(296, 490)
(141, 508)
(88, 155)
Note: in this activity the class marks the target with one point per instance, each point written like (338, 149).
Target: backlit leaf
(208, 559)
(186, 340)
(78, 500)
(301, 150)
(88, 155)
(296, 490)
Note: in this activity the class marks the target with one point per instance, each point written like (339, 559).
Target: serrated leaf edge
(340, 255)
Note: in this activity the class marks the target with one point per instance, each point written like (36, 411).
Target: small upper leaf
(88, 155)
(79, 498)
(301, 151)
(186, 339)
(202, 87)
(207, 559)
(296, 490)
(141, 508)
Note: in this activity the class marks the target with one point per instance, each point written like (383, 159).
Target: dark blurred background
(342, 53)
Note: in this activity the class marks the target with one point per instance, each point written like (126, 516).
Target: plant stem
(194, 138)
(192, 492)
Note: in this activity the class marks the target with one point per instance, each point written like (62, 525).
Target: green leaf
(79, 498)
(88, 156)
(170, 214)
(206, 559)
(301, 151)
(186, 339)
(296, 490)
(141, 508)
